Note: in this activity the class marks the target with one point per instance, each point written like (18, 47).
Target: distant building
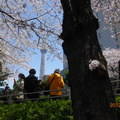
(104, 37)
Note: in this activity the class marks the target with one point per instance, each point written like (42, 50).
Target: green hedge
(41, 110)
(118, 101)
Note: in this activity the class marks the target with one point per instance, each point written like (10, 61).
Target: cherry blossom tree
(26, 25)
(29, 24)
(91, 90)
(112, 56)
(3, 70)
(110, 10)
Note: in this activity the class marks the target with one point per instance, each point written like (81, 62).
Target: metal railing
(9, 97)
(66, 93)
(116, 87)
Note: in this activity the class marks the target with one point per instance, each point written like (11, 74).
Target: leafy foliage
(42, 110)
(66, 77)
(118, 101)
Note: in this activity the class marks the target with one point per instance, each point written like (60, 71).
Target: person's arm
(21, 86)
(15, 83)
(14, 80)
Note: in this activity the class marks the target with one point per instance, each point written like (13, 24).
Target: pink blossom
(93, 64)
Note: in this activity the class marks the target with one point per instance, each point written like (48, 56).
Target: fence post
(9, 99)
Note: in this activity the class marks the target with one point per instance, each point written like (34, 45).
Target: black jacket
(31, 83)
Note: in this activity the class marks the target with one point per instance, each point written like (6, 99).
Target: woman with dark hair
(19, 86)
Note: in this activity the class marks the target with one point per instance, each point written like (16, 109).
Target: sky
(51, 65)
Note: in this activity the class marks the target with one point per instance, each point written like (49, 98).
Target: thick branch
(3, 12)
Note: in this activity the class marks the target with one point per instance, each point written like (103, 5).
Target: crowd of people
(29, 87)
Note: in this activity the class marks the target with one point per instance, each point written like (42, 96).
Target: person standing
(19, 86)
(6, 93)
(31, 85)
(55, 81)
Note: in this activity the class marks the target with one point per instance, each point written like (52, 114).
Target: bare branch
(39, 16)
(3, 12)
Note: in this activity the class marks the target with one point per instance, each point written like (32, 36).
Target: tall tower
(42, 67)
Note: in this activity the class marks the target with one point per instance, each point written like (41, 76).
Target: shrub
(39, 110)
(118, 101)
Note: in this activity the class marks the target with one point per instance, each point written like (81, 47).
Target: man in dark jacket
(31, 85)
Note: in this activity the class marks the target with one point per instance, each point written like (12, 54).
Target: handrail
(44, 91)
(23, 100)
(114, 81)
(116, 89)
(67, 90)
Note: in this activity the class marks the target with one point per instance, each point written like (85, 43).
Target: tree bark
(91, 91)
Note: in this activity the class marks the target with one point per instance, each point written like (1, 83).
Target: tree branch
(11, 45)
(39, 16)
(3, 12)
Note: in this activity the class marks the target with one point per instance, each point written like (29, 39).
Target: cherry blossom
(93, 64)
(27, 25)
(112, 56)
(111, 12)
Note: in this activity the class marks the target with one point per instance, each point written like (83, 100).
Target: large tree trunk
(91, 90)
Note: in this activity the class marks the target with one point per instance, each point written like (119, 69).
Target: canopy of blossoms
(26, 25)
(29, 24)
(113, 57)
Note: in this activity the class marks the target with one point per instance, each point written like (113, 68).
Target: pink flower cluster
(112, 57)
(93, 64)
